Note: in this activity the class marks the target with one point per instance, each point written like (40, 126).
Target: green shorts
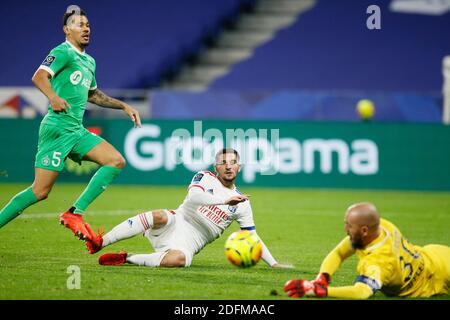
(57, 144)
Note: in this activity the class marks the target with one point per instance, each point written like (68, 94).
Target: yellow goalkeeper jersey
(393, 265)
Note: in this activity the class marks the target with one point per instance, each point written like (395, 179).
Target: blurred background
(358, 90)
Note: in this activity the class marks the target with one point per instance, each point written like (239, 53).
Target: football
(243, 248)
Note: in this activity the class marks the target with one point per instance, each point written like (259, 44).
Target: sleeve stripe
(93, 88)
(210, 173)
(47, 69)
(196, 185)
(248, 228)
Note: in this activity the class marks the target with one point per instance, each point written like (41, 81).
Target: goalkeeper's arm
(334, 259)
(317, 288)
(357, 291)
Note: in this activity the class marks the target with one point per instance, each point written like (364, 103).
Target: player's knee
(159, 218)
(41, 196)
(174, 259)
(118, 161)
(41, 193)
(180, 260)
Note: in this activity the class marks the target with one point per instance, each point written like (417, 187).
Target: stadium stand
(330, 48)
(322, 65)
(315, 69)
(135, 42)
(289, 105)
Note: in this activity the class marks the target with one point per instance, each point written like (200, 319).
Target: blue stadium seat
(134, 42)
(330, 47)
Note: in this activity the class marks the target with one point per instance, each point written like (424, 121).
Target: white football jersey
(212, 220)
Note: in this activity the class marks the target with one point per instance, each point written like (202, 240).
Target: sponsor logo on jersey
(211, 191)
(214, 214)
(76, 77)
(48, 61)
(86, 83)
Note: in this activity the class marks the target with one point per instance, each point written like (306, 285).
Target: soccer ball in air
(243, 248)
(365, 109)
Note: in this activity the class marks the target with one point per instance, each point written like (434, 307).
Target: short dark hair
(67, 15)
(227, 150)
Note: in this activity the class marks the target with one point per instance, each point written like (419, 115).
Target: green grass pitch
(299, 227)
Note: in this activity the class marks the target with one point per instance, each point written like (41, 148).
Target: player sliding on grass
(213, 202)
(387, 262)
(67, 78)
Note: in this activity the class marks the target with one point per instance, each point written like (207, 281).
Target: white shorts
(178, 234)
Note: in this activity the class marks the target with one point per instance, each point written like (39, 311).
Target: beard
(357, 243)
(84, 44)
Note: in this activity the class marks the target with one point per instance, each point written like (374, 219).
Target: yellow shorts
(440, 257)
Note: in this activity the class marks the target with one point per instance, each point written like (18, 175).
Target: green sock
(101, 179)
(16, 205)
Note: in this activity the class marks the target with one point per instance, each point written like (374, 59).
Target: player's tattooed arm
(99, 98)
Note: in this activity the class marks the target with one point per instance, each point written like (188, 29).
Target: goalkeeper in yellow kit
(386, 262)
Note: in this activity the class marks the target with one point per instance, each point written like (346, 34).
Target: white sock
(148, 260)
(129, 228)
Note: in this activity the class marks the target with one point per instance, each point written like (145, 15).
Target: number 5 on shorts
(56, 159)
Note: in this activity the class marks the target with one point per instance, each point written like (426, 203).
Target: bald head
(362, 222)
(364, 214)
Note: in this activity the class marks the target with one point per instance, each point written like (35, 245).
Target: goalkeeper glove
(323, 279)
(299, 288)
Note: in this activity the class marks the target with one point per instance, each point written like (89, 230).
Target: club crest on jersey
(48, 61)
(197, 177)
(76, 77)
(46, 161)
(232, 209)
